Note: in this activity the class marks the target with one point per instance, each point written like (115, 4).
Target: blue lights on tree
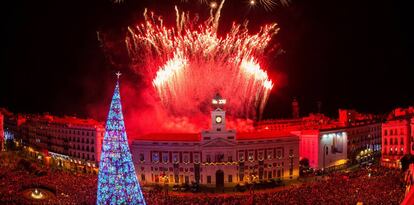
(117, 180)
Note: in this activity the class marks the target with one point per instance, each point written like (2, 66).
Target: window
(208, 158)
(402, 141)
(196, 158)
(155, 157)
(391, 141)
(175, 157)
(251, 156)
(141, 157)
(164, 157)
(391, 133)
(186, 158)
(326, 150)
(241, 156)
(385, 141)
(230, 158)
(208, 179)
(230, 178)
(279, 154)
(260, 155)
(142, 177)
(269, 154)
(290, 152)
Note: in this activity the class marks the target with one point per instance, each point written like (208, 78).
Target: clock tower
(218, 115)
(218, 132)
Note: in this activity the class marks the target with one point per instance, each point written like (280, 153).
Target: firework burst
(187, 65)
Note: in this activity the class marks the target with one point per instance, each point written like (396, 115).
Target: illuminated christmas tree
(117, 180)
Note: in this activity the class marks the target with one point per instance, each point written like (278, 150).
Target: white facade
(323, 149)
(216, 157)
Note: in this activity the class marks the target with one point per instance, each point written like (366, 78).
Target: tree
(117, 180)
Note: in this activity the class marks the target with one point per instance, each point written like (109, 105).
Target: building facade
(68, 141)
(216, 157)
(357, 134)
(324, 149)
(397, 141)
(364, 140)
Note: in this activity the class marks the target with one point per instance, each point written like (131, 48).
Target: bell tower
(218, 115)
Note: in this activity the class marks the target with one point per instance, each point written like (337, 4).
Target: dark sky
(346, 54)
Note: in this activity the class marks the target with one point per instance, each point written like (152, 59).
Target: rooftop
(184, 137)
(262, 135)
(67, 120)
(196, 137)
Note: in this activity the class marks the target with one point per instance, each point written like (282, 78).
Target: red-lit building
(324, 148)
(68, 141)
(397, 136)
(364, 134)
(313, 121)
(359, 134)
(216, 157)
(397, 140)
(12, 125)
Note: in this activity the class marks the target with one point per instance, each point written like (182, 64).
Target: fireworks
(268, 4)
(189, 64)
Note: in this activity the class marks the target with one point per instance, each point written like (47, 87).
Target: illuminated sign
(220, 101)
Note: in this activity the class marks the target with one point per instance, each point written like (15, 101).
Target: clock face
(218, 119)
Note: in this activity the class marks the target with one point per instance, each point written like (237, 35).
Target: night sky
(346, 54)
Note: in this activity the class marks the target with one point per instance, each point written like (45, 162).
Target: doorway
(219, 178)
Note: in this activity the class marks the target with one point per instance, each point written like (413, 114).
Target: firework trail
(187, 65)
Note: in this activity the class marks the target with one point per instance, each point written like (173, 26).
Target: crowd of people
(67, 188)
(373, 185)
